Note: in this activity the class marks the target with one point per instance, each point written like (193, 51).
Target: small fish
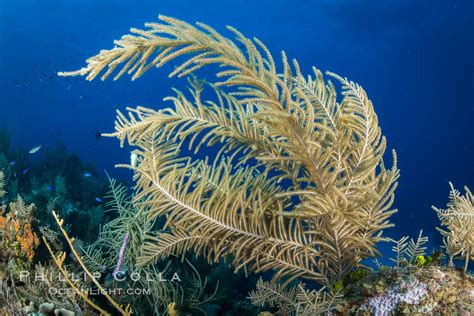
(35, 149)
(50, 187)
(25, 171)
(98, 199)
(87, 174)
(133, 159)
(98, 135)
(12, 163)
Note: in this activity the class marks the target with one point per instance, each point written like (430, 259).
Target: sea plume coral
(458, 221)
(295, 300)
(298, 184)
(119, 245)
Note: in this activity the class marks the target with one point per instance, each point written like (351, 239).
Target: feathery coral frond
(315, 302)
(458, 220)
(273, 295)
(416, 248)
(295, 300)
(406, 250)
(297, 182)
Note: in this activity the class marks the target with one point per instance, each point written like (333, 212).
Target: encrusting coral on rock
(18, 241)
(418, 290)
(407, 292)
(422, 285)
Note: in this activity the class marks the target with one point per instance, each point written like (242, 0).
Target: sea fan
(297, 183)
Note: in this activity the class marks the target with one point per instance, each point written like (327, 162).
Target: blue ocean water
(414, 58)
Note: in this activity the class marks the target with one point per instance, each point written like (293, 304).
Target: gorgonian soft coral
(458, 225)
(297, 183)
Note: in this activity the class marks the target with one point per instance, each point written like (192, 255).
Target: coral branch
(59, 260)
(121, 254)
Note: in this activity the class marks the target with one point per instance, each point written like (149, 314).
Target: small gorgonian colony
(458, 223)
(297, 183)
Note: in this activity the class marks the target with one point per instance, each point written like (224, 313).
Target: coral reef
(36, 291)
(18, 241)
(421, 285)
(57, 180)
(27, 190)
(10, 302)
(407, 292)
(426, 290)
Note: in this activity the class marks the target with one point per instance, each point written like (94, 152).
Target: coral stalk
(127, 311)
(121, 254)
(59, 260)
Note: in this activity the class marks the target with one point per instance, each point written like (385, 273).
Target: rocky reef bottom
(426, 290)
(432, 289)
